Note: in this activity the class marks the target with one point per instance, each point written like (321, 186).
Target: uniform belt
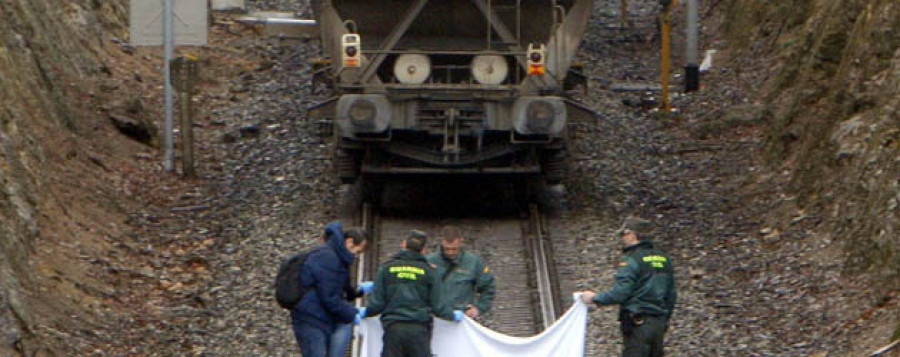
(421, 323)
(644, 315)
(426, 324)
(639, 318)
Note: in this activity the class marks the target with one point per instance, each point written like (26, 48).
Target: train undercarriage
(451, 88)
(417, 153)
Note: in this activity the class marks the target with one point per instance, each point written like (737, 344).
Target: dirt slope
(67, 175)
(830, 100)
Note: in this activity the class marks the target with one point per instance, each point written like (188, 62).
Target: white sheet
(467, 338)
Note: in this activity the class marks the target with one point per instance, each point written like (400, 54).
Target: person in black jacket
(644, 290)
(406, 295)
(323, 307)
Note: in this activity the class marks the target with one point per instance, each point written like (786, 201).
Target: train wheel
(372, 191)
(555, 166)
(347, 202)
(346, 167)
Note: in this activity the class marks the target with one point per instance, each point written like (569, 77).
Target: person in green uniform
(466, 283)
(406, 296)
(644, 290)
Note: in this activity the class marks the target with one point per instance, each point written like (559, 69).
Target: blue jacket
(324, 273)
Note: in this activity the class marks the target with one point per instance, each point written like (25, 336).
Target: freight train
(450, 87)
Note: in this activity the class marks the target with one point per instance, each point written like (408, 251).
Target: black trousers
(643, 336)
(407, 339)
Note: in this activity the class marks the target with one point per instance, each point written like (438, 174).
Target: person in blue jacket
(343, 332)
(323, 306)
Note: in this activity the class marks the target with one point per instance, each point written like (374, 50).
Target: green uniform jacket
(645, 283)
(461, 279)
(406, 291)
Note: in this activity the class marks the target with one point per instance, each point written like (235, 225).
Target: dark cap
(416, 240)
(358, 234)
(636, 224)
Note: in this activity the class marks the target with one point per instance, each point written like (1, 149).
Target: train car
(450, 87)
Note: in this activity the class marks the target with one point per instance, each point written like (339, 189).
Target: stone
(249, 131)
(138, 130)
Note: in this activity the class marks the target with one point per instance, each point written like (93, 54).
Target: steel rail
(365, 220)
(547, 296)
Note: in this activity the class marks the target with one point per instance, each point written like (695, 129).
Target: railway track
(513, 244)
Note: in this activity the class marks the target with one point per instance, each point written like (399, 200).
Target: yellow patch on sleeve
(487, 270)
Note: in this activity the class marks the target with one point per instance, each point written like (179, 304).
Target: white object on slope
(565, 338)
(707, 60)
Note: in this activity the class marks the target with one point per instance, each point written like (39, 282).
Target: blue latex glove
(367, 287)
(458, 315)
(357, 319)
(361, 314)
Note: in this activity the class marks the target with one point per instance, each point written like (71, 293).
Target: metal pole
(489, 26)
(692, 68)
(367, 222)
(187, 122)
(169, 44)
(666, 49)
(276, 21)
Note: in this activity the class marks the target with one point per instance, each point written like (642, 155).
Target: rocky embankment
(831, 136)
(59, 203)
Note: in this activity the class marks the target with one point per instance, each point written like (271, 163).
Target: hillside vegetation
(831, 95)
(832, 104)
(62, 170)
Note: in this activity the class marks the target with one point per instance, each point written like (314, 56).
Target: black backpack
(288, 290)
